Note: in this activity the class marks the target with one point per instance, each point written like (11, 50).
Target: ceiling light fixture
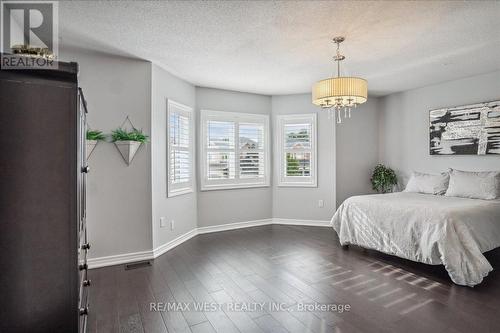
(341, 92)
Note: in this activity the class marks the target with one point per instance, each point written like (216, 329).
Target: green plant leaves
(383, 179)
(120, 134)
(95, 135)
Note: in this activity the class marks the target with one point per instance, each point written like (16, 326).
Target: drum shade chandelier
(340, 93)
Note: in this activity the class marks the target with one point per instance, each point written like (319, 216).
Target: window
(296, 145)
(180, 149)
(235, 150)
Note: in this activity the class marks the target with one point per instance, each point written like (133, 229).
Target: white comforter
(425, 228)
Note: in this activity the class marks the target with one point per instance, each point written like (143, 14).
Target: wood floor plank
(131, 324)
(218, 319)
(291, 266)
(204, 327)
(152, 322)
(240, 319)
(241, 297)
(270, 325)
(182, 295)
(174, 320)
(292, 324)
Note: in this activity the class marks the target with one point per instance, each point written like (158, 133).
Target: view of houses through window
(297, 140)
(235, 148)
(251, 140)
(296, 149)
(221, 146)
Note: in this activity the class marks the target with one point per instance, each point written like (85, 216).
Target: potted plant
(93, 137)
(128, 142)
(383, 179)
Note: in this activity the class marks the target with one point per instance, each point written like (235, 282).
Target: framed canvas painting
(465, 130)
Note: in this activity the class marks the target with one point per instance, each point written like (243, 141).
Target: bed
(431, 229)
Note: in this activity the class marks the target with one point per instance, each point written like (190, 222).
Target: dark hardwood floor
(289, 266)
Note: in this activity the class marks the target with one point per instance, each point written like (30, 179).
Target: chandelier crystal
(340, 93)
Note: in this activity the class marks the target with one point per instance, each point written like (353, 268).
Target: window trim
(296, 181)
(172, 191)
(236, 183)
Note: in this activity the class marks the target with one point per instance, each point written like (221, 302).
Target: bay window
(234, 150)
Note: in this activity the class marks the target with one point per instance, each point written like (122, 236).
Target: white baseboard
(148, 255)
(234, 226)
(173, 243)
(119, 259)
(312, 223)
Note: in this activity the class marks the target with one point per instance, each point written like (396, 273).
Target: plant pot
(128, 149)
(90, 147)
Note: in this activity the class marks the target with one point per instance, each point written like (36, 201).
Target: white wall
(229, 206)
(125, 203)
(347, 154)
(119, 196)
(182, 209)
(302, 202)
(404, 125)
(357, 150)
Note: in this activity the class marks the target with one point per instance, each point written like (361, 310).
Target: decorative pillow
(427, 183)
(474, 185)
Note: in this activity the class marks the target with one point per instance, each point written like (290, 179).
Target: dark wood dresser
(43, 170)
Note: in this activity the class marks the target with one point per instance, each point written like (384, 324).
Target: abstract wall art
(465, 130)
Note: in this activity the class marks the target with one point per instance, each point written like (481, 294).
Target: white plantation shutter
(252, 157)
(235, 150)
(180, 149)
(297, 139)
(220, 165)
(220, 149)
(297, 150)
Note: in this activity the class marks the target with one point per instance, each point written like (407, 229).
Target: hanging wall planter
(93, 137)
(128, 149)
(128, 142)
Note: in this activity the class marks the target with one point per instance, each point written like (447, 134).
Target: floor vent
(138, 264)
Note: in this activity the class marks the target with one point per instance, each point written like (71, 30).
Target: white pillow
(474, 185)
(427, 183)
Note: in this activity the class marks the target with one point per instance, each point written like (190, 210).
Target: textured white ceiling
(278, 47)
